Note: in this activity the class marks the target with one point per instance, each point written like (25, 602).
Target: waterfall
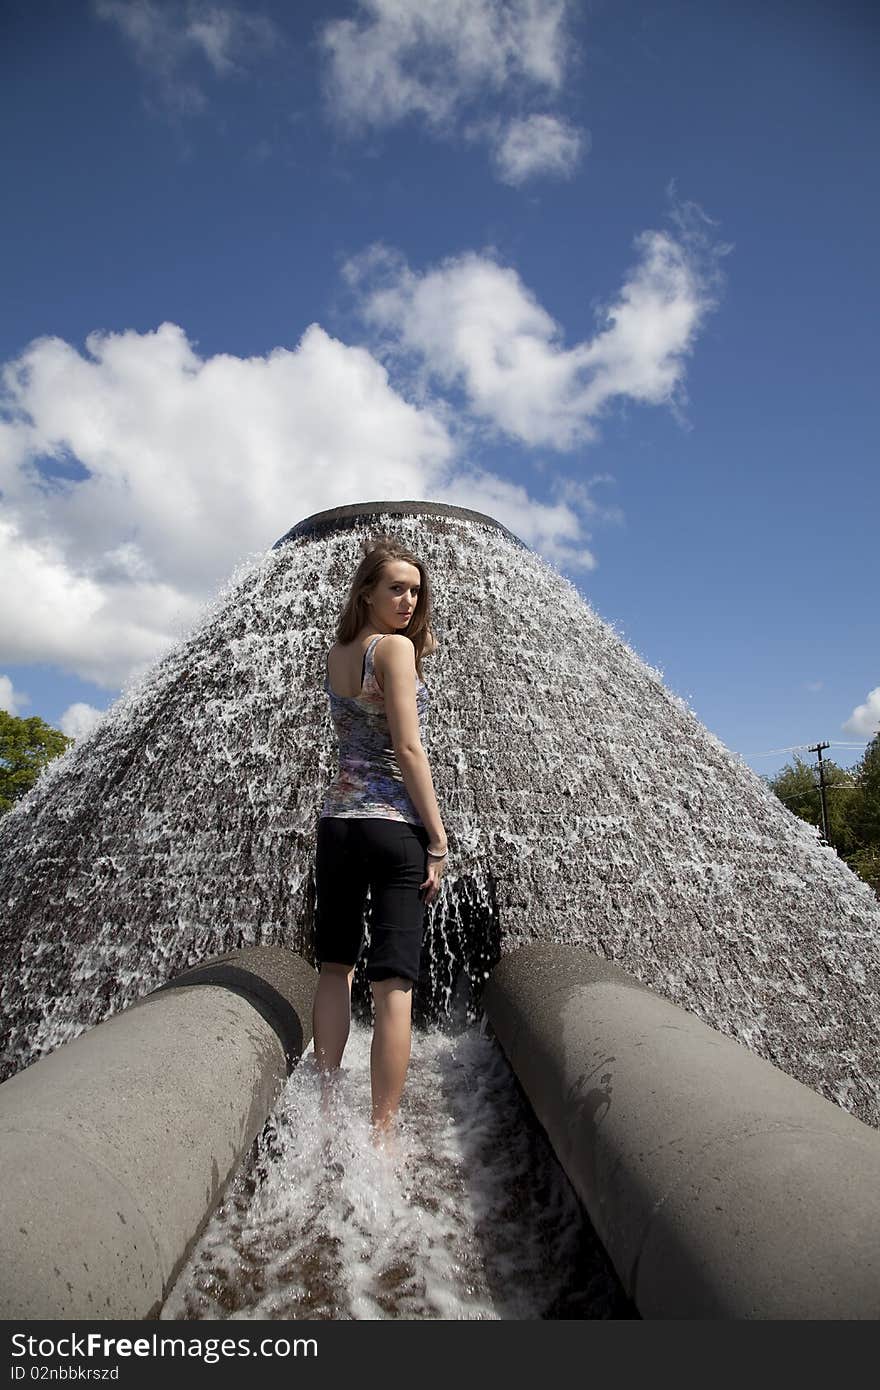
(584, 803)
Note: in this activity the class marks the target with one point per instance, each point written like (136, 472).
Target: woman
(379, 824)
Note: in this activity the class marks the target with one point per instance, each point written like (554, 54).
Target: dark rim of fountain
(346, 518)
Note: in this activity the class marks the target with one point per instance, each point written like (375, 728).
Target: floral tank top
(369, 783)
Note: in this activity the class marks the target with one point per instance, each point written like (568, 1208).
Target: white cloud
(865, 719)
(435, 59)
(537, 145)
(166, 39)
(189, 465)
(11, 700)
(426, 57)
(472, 323)
(53, 611)
(556, 530)
(814, 686)
(80, 719)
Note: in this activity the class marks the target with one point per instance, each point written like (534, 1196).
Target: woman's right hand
(431, 886)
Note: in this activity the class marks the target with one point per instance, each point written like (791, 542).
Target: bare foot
(385, 1139)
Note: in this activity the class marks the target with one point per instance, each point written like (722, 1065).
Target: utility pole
(817, 748)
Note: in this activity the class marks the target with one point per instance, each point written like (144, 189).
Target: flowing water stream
(470, 1217)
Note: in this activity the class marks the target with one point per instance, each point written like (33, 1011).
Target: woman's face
(392, 601)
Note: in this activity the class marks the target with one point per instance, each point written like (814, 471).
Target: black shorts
(388, 857)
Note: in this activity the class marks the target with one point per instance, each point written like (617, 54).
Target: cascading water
(584, 803)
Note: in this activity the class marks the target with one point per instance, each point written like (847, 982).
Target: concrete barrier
(115, 1148)
(719, 1186)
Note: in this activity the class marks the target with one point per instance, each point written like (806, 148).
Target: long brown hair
(356, 614)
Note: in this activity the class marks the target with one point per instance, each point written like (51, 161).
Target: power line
(804, 747)
(772, 752)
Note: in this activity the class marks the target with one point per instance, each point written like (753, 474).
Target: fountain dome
(584, 803)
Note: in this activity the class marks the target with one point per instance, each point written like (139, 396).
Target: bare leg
(331, 1014)
(389, 1054)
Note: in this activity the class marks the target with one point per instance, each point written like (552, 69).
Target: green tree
(864, 816)
(797, 787)
(866, 863)
(866, 804)
(26, 746)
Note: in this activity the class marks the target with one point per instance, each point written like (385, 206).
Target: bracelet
(432, 854)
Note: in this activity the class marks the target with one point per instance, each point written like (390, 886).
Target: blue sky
(606, 271)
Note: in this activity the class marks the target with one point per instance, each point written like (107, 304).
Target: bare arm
(395, 662)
